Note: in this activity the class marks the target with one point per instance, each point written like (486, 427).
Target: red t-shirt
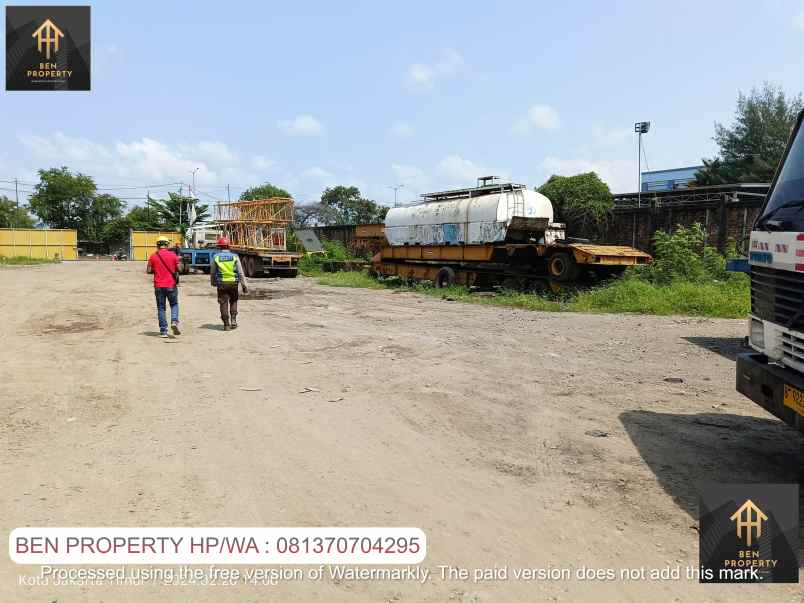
(163, 277)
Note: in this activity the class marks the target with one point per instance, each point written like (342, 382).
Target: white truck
(772, 375)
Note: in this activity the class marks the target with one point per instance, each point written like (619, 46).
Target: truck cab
(772, 374)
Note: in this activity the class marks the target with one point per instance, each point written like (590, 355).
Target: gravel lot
(510, 437)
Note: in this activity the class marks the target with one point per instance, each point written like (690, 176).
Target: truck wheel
(445, 278)
(563, 267)
(248, 266)
(184, 268)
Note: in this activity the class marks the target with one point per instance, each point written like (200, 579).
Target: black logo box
(719, 541)
(22, 54)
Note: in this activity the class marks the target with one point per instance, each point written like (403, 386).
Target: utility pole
(17, 197)
(396, 189)
(228, 195)
(640, 127)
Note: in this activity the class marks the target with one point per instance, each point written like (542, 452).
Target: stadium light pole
(396, 189)
(640, 127)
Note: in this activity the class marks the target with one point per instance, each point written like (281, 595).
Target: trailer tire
(248, 266)
(445, 278)
(563, 267)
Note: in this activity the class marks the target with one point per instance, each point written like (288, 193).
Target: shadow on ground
(728, 347)
(255, 294)
(684, 451)
(212, 327)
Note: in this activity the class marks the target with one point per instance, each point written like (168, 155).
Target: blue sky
(425, 94)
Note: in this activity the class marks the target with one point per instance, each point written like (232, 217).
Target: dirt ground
(480, 425)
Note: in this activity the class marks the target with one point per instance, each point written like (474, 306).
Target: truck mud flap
(764, 384)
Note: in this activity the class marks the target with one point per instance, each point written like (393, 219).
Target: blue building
(668, 180)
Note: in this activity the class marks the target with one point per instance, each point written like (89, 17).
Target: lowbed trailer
(491, 234)
(512, 264)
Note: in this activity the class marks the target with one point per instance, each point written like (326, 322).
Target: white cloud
(318, 173)
(542, 117)
(421, 74)
(416, 181)
(143, 161)
(798, 21)
(609, 137)
(258, 162)
(457, 171)
(303, 125)
(402, 129)
(619, 174)
(425, 74)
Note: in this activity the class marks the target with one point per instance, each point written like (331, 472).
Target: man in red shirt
(165, 265)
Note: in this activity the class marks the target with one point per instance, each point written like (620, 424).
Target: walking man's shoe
(175, 328)
(163, 335)
(234, 323)
(227, 328)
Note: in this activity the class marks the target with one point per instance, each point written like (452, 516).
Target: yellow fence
(35, 243)
(143, 242)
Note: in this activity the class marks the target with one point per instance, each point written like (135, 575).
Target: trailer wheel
(184, 268)
(248, 266)
(445, 278)
(563, 267)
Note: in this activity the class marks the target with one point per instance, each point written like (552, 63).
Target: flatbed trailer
(256, 262)
(283, 264)
(514, 265)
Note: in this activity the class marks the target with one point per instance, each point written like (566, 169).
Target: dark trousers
(172, 297)
(227, 300)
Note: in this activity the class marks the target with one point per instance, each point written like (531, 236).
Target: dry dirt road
(476, 424)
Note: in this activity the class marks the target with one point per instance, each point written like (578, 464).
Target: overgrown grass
(22, 260)
(348, 279)
(727, 299)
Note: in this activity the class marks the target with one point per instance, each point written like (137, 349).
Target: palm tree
(176, 211)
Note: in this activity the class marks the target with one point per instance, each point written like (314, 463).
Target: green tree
(102, 210)
(63, 200)
(144, 218)
(174, 212)
(750, 149)
(12, 216)
(263, 191)
(583, 202)
(350, 207)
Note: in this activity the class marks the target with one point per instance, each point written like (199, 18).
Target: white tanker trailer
(491, 234)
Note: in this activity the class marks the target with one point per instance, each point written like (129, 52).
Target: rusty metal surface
(616, 250)
(370, 231)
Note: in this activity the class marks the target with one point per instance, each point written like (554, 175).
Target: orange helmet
(223, 241)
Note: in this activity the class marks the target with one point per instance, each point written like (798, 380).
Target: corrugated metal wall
(143, 242)
(36, 243)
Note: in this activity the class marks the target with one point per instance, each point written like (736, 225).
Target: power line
(107, 187)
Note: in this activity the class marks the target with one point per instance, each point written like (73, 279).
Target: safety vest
(227, 268)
